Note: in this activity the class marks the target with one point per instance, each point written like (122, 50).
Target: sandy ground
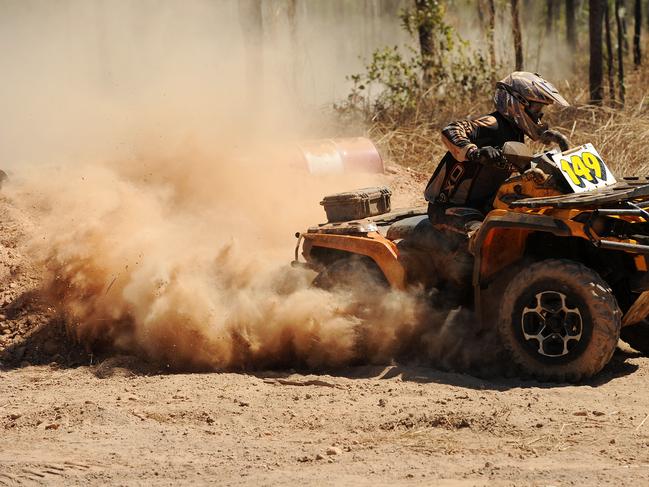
(70, 418)
(360, 426)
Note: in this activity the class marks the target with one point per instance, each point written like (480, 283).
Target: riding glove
(486, 155)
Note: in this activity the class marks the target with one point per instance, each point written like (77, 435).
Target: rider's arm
(459, 137)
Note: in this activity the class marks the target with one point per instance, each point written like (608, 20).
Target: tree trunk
(426, 44)
(637, 53)
(549, 16)
(518, 36)
(595, 37)
(620, 7)
(610, 66)
(571, 37)
(620, 48)
(251, 21)
(291, 14)
(480, 9)
(491, 29)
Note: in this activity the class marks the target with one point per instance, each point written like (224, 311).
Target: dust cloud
(184, 260)
(187, 262)
(164, 217)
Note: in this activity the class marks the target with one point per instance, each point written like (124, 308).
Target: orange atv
(558, 268)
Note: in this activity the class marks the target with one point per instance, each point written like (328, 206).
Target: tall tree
(426, 38)
(426, 22)
(518, 36)
(549, 16)
(571, 36)
(595, 17)
(291, 14)
(610, 66)
(619, 12)
(491, 29)
(620, 7)
(251, 21)
(637, 53)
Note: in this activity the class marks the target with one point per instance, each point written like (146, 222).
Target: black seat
(404, 228)
(417, 231)
(421, 225)
(465, 213)
(431, 256)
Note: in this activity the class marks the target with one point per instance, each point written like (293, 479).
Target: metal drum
(327, 156)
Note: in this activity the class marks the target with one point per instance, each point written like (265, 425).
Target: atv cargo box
(358, 204)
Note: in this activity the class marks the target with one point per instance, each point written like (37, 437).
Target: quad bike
(558, 268)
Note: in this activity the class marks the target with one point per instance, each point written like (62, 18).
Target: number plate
(584, 169)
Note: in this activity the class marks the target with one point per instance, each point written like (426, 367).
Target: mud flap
(638, 311)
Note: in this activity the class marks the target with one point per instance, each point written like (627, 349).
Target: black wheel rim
(551, 324)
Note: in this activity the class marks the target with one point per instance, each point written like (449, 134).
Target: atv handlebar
(552, 136)
(517, 156)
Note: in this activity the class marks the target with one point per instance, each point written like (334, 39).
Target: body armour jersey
(460, 182)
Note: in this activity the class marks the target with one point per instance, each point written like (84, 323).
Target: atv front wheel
(559, 321)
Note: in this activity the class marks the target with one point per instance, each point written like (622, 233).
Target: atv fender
(381, 250)
(501, 240)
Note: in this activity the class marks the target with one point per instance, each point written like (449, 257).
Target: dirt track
(362, 426)
(71, 418)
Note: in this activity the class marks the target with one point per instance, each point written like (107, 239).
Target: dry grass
(621, 135)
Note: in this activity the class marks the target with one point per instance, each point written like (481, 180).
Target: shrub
(399, 81)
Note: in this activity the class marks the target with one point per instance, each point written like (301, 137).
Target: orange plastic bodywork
(504, 246)
(501, 247)
(378, 248)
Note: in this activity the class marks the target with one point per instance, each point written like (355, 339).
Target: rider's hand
(536, 175)
(488, 155)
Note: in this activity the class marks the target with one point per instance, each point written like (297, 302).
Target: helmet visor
(550, 92)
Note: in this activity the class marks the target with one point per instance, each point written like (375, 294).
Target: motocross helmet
(521, 97)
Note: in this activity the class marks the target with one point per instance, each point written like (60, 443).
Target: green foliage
(402, 80)
(397, 78)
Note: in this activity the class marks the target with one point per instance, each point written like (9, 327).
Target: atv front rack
(635, 211)
(635, 188)
(628, 197)
(626, 247)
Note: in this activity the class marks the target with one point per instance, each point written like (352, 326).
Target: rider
(467, 178)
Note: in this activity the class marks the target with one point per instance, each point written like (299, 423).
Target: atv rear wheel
(559, 321)
(352, 272)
